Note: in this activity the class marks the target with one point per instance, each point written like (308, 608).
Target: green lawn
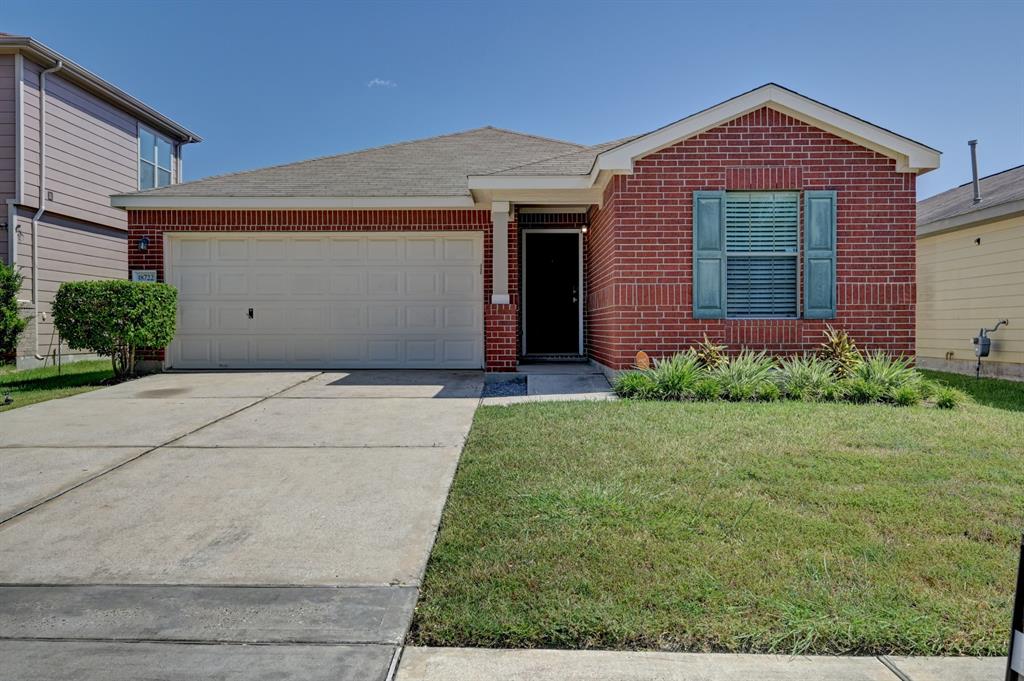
(38, 385)
(782, 527)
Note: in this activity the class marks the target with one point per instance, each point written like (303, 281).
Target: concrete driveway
(264, 525)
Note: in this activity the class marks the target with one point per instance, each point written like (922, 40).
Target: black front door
(551, 293)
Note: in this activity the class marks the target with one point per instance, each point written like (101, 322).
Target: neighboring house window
(762, 235)
(746, 254)
(154, 160)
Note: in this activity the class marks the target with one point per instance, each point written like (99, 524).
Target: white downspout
(42, 203)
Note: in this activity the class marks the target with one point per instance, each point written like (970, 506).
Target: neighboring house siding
(964, 286)
(68, 251)
(500, 321)
(640, 289)
(92, 150)
(8, 134)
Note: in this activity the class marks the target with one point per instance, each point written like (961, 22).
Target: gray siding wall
(69, 250)
(8, 132)
(91, 153)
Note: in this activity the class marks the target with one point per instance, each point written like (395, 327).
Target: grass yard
(779, 527)
(38, 385)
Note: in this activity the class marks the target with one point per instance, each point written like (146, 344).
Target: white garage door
(338, 300)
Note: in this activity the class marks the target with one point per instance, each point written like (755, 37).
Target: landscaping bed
(781, 526)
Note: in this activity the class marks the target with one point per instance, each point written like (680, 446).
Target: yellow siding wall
(963, 286)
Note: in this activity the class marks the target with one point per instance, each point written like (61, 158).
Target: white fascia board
(910, 156)
(157, 202)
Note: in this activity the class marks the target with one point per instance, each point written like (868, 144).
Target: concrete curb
(466, 664)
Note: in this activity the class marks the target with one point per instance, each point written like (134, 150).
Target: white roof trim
(157, 202)
(911, 156)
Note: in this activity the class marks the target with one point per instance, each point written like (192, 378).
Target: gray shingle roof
(579, 162)
(436, 166)
(997, 189)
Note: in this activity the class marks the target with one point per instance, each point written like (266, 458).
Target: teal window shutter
(819, 254)
(708, 255)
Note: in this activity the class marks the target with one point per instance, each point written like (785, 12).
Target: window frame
(155, 163)
(796, 255)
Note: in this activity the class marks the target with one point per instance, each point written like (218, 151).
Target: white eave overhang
(910, 156)
(157, 201)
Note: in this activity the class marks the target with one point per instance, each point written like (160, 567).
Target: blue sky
(273, 82)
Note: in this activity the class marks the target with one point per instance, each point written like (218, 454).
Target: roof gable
(911, 156)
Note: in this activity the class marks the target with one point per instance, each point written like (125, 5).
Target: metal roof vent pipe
(973, 144)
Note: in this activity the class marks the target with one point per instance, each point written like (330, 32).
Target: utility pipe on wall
(42, 203)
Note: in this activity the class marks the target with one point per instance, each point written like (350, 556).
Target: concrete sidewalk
(477, 664)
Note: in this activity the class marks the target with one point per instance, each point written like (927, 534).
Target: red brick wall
(499, 334)
(640, 241)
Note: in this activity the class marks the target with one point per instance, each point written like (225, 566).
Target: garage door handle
(250, 313)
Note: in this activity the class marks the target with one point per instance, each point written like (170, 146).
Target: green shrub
(807, 378)
(710, 355)
(840, 349)
(677, 376)
(115, 318)
(905, 396)
(11, 321)
(927, 389)
(744, 375)
(888, 373)
(948, 398)
(835, 392)
(767, 392)
(637, 384)
(707, 389)
(862, 390)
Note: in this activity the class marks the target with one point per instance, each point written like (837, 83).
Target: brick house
(755, 222)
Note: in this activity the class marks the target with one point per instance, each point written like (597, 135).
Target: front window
(154, 160)
(762, 234)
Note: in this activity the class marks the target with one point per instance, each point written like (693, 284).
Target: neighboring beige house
(970, 273)
(95, 140)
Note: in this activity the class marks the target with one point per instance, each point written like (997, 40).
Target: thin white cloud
(381, 82)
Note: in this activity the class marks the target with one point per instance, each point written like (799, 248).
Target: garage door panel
(383, 317)
(421, 284)
(273, 250)
(230, 318)
(460, 284)
(232, 250)
(329, 300)
(193, 251)
(384, 283)
(346, 249)
(350, 317)
(466, 250)
(348, 283)
(231, 283)
(193, 283)
(384, 249)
